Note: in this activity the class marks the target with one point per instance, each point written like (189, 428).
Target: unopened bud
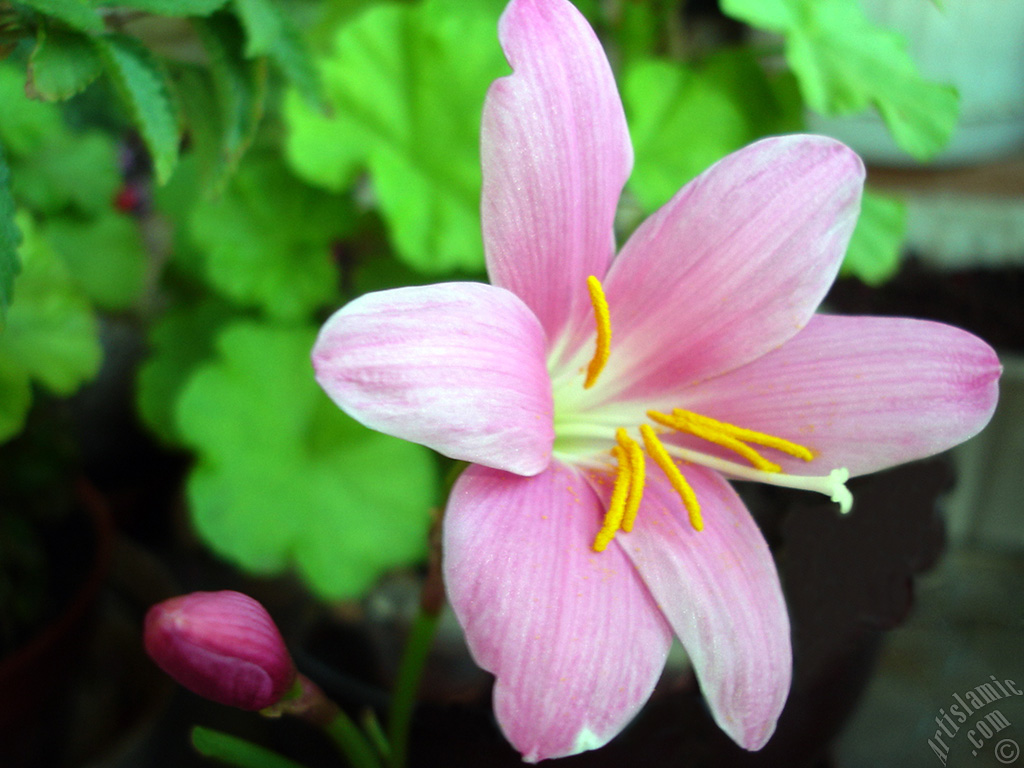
(221, 645)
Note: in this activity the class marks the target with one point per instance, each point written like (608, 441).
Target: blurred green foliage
(51, 334)
(221, 174)
(406, 84)
(315, 489)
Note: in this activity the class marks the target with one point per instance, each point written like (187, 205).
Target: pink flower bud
(221, 645)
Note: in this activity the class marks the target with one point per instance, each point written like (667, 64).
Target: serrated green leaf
(267, 240)
(876, 246)
(272, 33)
(63, 63)
(179, 342)
(51, 335)
(10, 237)
(683, 119)
(77, 14)
(177, 7)
(105, 256)
(285, 479)
(233, 750)
(407, 85)
(240, 87)
(845, 64)
(147, 93)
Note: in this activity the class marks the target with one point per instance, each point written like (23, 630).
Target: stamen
(680, 421)
(638, 468)
(657, 452)
(617, 505)
(602, 318)
(748, 435)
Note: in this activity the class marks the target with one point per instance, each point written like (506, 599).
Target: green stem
(375, 733)
(407, 686)
(351, 741)
(308, 702)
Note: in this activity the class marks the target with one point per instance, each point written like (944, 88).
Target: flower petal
(556, 153)
(733, 265)
(720, 591)
(458, 367)
(863, 393)
(572, 635)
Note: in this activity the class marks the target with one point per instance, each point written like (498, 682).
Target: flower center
(630, 470)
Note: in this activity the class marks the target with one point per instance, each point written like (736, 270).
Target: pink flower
(604, 399)
(221, 645)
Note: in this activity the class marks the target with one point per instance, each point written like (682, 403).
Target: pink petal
(720, 591)
(556, 153)
(458, 367)
(733, 265)
(572, 635)
(863, 393)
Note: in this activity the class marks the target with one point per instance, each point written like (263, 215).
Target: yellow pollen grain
(748, 435)
(637, 470)
(682, 421)
(617, 505)
(660, 456)
(602, 318)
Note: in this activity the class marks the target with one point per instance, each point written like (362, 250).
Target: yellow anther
(604, 331)
(660, 456)
(747, 435)
(683, 421)
(637, 471)
(617, 505)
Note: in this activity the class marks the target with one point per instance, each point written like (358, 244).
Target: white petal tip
(587, 740)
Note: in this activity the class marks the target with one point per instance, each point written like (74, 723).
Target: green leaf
(177, 7)
(876, 246)
(774, 15)
(272, 33)
(267, 240)
(237, 751)
(147, 93)
(63, 63)
(845, 64)
(240, 87)
(77, 14)
(683, 119)
(105, 256)
(69, 172)
(186, 191)
(407, 85)
(179, 342)
(51, 335)
(285, 479)
(9, 239)
(15, 398)
(25, 125)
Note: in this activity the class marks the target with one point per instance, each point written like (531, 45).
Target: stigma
(632, 450)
